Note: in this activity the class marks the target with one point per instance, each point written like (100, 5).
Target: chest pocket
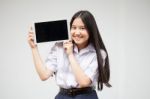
(86, 61)
(63, 63)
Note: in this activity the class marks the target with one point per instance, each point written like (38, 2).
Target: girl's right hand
(31, 39)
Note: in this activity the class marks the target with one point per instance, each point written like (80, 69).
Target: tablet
(51, 31)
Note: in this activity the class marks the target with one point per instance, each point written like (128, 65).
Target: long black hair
(95, 38)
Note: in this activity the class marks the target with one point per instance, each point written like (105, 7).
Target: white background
(124, 27)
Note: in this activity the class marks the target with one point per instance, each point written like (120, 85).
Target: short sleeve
(51, 60)
(92, 70)
(104, 55)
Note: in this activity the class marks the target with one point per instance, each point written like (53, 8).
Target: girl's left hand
(68, 46)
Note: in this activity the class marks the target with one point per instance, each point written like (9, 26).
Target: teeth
(77, 38)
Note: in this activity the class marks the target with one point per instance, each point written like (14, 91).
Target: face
(79, 33)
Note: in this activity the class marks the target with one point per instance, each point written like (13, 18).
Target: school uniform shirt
(57, 61)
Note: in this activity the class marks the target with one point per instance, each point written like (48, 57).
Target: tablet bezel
(68, 38)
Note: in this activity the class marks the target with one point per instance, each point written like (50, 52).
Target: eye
(73, 27)
(82, 28)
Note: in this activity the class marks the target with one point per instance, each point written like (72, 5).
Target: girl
(78, 64)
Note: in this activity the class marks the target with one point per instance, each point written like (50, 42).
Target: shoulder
(103, 53)
(57, 45)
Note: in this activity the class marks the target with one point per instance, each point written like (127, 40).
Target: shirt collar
(89, 48)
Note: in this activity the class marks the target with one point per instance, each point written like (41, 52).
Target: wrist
(34, 48)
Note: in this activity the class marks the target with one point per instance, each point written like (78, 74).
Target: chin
(77, 42)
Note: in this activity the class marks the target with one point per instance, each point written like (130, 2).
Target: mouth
(77, 38)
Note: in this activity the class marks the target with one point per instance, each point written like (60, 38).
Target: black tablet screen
(51, 31)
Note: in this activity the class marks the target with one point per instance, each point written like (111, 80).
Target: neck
(80, 47)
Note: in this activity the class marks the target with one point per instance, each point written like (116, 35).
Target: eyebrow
(78, 26)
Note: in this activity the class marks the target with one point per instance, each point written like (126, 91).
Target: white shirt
(58, 62)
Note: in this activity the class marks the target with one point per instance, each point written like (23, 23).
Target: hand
(31, 38)
(68, 46)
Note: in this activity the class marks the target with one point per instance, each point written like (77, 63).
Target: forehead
(78, 22)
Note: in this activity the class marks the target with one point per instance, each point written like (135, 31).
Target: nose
(77, 32)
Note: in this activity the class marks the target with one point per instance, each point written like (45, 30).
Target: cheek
(86, 35)
(87, 38)
(71, 34)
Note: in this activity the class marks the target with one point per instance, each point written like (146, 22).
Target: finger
(70, 41)
(31, 35)
(30, 39)
(65, 46)
(31, 30)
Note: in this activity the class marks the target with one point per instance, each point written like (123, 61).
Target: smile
(77, 38)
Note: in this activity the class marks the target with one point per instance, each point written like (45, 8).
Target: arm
(82, 79)
(42, 71)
